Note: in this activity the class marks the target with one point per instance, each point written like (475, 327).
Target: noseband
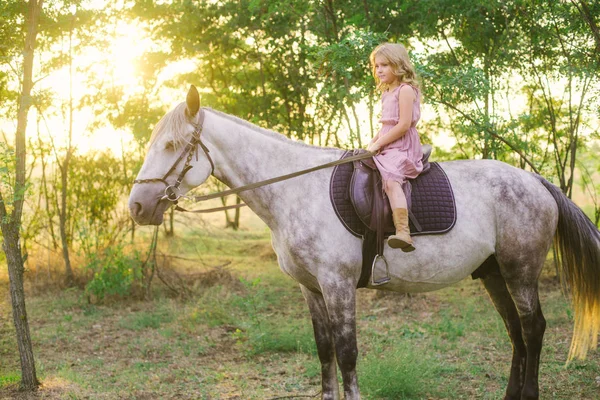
(172, 192)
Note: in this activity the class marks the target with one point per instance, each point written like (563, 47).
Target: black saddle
(359, 201)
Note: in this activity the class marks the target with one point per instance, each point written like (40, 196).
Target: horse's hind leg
(496, 287)
(533, 325)
(521, 270)
(325, 344)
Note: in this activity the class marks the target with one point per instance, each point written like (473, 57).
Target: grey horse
(507, 216)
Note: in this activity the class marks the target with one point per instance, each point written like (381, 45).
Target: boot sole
(396, 243)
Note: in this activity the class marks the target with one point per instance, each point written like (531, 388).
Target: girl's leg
(402, 239)
(394, 192)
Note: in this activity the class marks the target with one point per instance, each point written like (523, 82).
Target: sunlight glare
(93, 69)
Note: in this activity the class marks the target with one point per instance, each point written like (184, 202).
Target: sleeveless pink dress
(401, 159)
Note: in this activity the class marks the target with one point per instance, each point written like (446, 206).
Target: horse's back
(522, 210)
(512, 194)
(499, 209)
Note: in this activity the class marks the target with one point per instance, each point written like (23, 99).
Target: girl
(398, 147)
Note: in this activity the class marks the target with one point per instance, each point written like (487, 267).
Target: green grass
(250, 337)
(143, 320)
(9, 378)
(398, 372)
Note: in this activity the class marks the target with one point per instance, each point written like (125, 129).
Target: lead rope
(197, 199)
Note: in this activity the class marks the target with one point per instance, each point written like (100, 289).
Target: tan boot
(402, 239)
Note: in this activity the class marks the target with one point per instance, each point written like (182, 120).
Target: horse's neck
(244, 155)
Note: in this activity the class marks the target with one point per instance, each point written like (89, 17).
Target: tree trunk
(63, 222)
(16, 269)
(10, 224)
(47, 195)
(235, 222)
(64, 171)
(170, 230)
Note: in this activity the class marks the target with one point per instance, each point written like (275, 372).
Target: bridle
(172, 192)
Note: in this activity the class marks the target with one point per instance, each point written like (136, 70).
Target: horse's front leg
(325, 344)
(340, 299)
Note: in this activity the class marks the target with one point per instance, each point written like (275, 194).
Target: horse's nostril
(136, 209)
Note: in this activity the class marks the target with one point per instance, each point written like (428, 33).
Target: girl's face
(384, 71)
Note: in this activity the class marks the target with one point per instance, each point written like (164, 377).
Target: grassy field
(239, 329)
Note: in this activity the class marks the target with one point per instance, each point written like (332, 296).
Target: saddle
(367, 195)
(363, 208)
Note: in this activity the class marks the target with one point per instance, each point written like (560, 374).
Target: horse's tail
(577, 243)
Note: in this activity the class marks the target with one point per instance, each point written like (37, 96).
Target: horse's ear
(193, 102)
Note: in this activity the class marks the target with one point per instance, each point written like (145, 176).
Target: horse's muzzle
(146, 208)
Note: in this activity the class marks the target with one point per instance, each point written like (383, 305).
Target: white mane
(176, 120)
(263, 131)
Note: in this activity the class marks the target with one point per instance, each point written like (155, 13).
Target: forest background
(82, 84)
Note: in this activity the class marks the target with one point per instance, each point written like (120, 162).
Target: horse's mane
(263, 131)
(176, 120)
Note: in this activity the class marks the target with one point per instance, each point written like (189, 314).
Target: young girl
(398, 147)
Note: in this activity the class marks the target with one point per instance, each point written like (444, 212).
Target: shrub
(115, 273)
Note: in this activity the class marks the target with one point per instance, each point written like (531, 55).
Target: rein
(172, 192)
(265, 183)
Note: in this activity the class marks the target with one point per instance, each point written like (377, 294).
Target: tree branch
(492, 133)
(449, 46)
(584, 10)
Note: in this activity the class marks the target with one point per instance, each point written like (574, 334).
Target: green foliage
(259, 61)
(7, 167)
(10, 193)
(96, 186)
(115, 273)
(589, 165)
(95, 191)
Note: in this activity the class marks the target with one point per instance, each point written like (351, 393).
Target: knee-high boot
(402, 239)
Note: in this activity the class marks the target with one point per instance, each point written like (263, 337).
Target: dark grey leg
(341, 306)
(325, 344)
(496, 287)
(521, 277)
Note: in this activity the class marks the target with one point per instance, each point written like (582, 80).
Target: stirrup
(386, 278)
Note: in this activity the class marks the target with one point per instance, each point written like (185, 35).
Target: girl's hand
(374, 147)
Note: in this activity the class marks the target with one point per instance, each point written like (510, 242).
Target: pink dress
(401, 159)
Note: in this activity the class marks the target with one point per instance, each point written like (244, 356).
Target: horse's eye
(170, 146)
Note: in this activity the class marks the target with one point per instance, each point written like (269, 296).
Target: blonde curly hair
(397, 55)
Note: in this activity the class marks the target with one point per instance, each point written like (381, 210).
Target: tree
(483, 57)
(11, 220)
(562, 65)
(258, 60)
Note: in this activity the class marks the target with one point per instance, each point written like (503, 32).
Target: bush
(115, 273)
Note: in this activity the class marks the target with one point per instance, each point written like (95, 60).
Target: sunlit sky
(115, 63)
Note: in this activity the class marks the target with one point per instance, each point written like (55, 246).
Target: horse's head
(177, 161)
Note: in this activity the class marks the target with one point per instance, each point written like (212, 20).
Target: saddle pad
(432, 199)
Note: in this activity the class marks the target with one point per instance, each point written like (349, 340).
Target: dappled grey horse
(506, 216)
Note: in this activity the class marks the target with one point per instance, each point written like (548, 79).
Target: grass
(247, 334)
